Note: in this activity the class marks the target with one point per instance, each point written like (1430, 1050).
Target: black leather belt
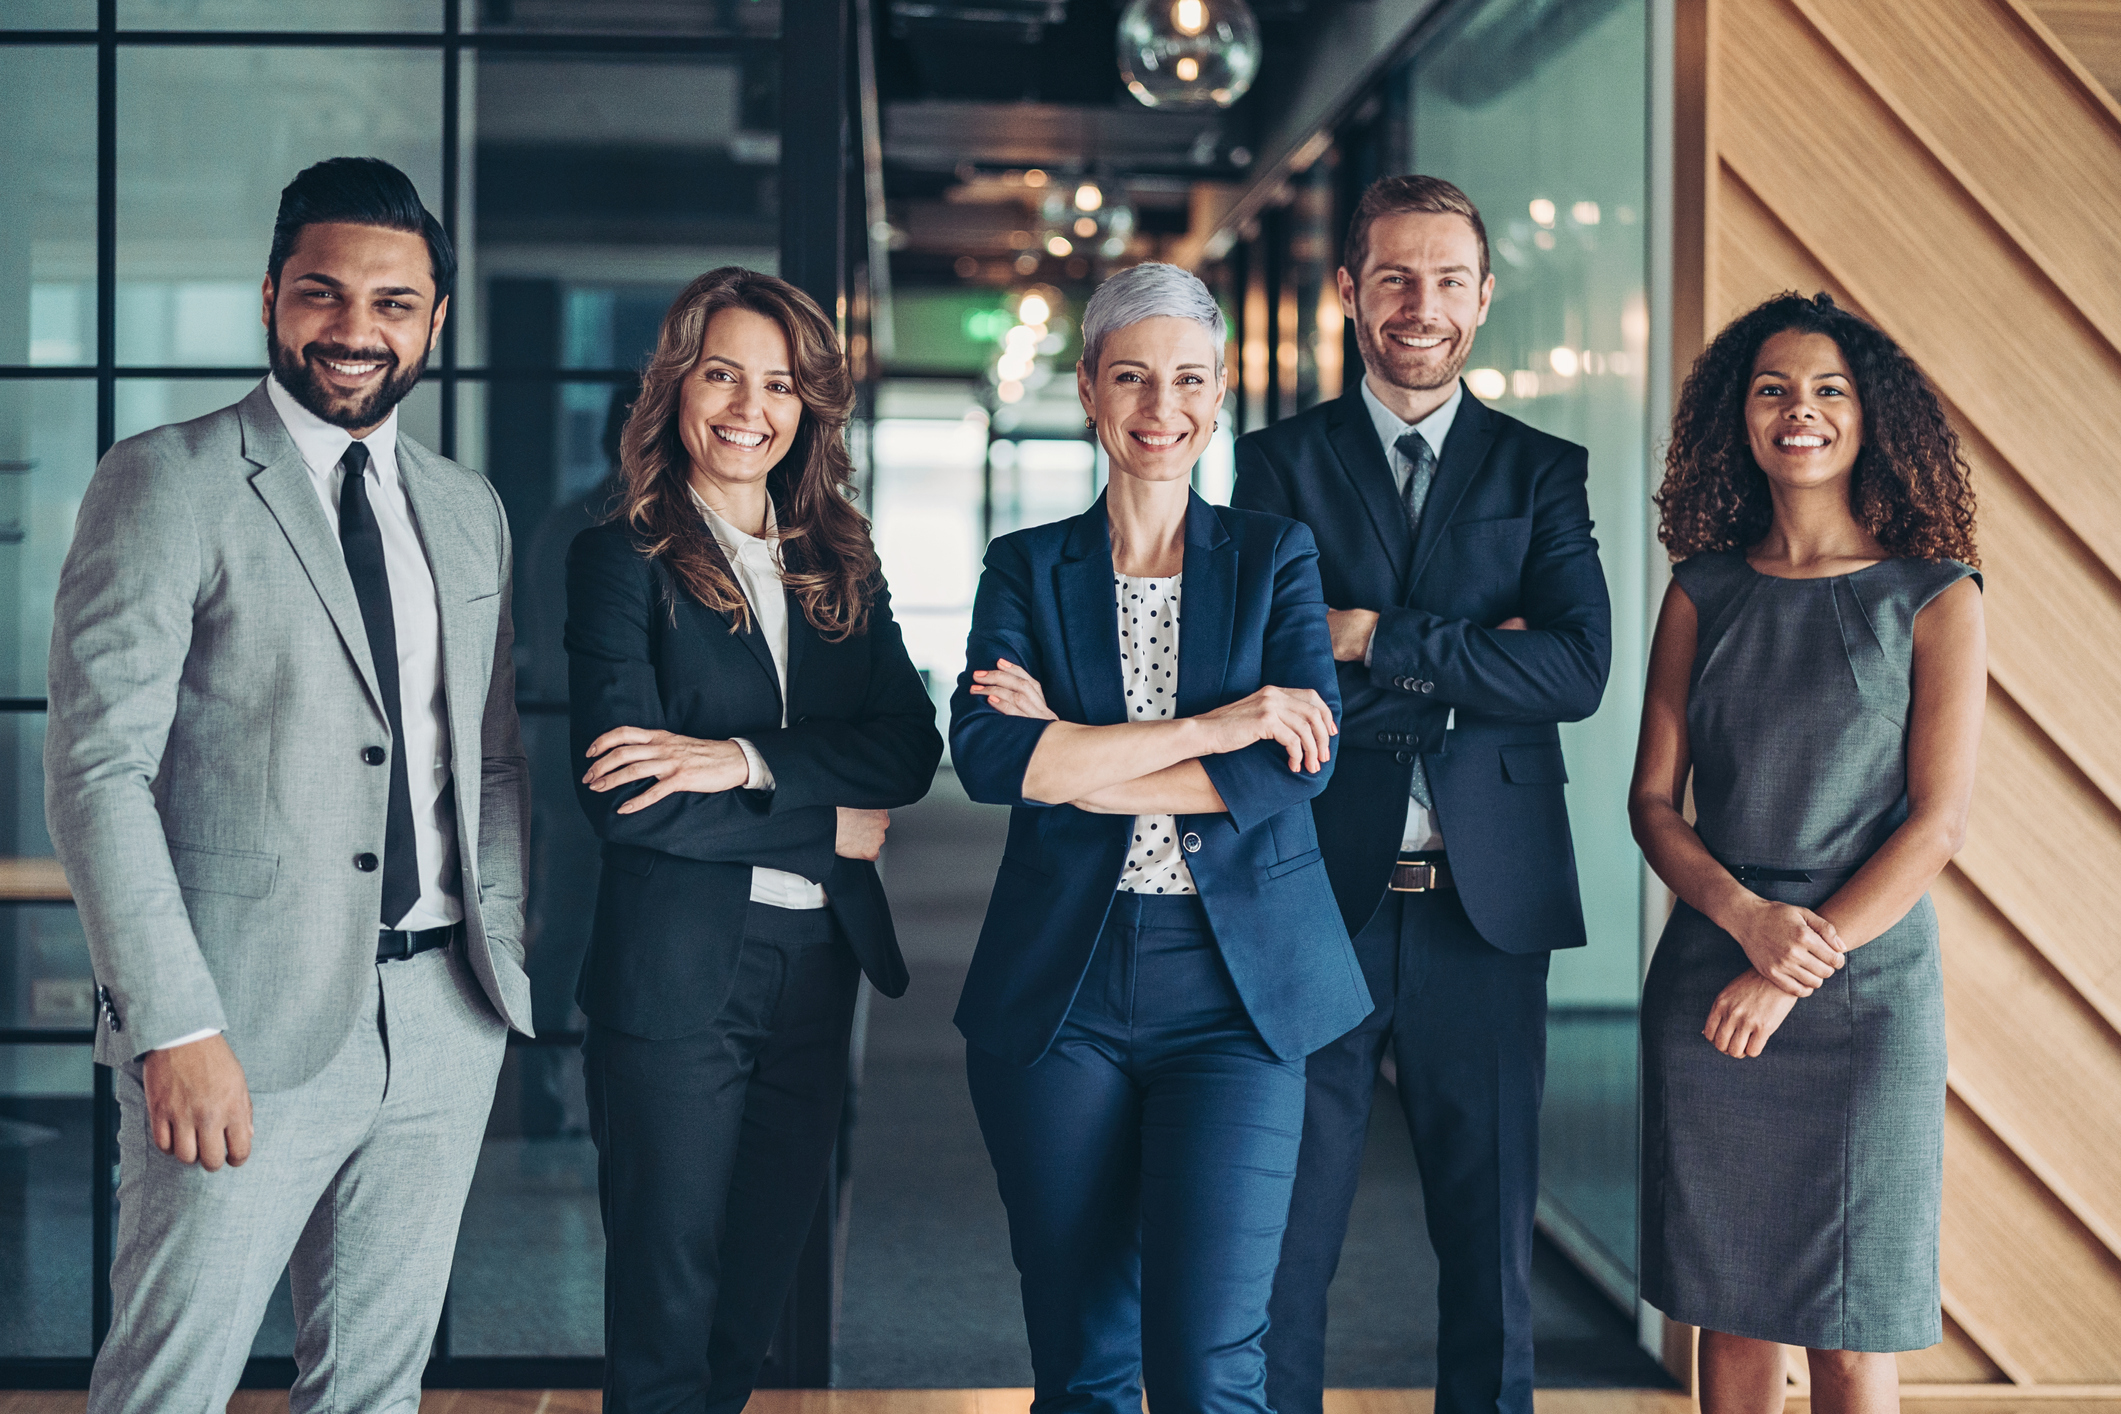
(396, 944)
(1420, 874)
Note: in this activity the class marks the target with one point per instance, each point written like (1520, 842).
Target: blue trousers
(1146, 1162)
(1465, 1025)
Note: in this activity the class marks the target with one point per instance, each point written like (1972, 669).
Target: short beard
(1384, 361)
(297, 373)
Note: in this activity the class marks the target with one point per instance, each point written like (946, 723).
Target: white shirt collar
(735, 543)
(1433, 428)
(321, 444)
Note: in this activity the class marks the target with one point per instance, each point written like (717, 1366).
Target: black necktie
(361, 538)
(1414, 498)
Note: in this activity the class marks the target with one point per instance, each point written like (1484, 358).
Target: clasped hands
(1793, 951)
(675, 763)
(1297, 718)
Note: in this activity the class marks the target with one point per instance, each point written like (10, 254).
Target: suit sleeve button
(365, 862)
(1404, 758)
(1428, 687)
(374, 755)
(1191, 843)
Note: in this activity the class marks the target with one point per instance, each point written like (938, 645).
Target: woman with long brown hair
(1818, 673)
(747, 715)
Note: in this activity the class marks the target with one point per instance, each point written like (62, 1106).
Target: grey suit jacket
(211, 695)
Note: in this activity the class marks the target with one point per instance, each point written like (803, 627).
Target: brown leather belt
(1419, 874)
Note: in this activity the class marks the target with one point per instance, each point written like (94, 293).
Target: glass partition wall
(1540, 113)
(589, 159)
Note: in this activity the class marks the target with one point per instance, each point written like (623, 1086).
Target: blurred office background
(951, 178)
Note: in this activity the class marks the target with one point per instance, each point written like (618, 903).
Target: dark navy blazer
(1506, 532)
(1251, 615)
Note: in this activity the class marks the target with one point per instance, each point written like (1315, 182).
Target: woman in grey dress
(1819, 672)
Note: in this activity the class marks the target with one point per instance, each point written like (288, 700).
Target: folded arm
(1552, 671)
(612, 684)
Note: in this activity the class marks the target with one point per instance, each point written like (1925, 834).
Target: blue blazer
(1253, 616)
(1507, 531)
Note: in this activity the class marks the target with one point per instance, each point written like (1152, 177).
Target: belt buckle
(1424, 879)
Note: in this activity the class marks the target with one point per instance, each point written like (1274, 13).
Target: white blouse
(1148, 658)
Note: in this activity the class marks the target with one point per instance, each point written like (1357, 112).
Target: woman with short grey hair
(1162, 948)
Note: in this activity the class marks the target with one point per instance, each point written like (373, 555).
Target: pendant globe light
(1188, 53)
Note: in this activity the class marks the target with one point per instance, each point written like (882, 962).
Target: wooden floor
(1015, 1401)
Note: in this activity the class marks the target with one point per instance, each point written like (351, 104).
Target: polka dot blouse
(1148, 657)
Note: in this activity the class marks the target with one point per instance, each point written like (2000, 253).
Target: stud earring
(1091, 423)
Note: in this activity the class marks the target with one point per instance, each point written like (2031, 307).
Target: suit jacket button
(374, 755)
(1191, 843)
(1404, 758)
(365, 862)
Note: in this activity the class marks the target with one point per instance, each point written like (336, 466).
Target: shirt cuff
(757, 775)
(1368, 645)
(187, 1040)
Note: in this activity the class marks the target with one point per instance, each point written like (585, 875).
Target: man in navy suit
(1469, 617)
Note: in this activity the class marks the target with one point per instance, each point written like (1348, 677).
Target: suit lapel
(1207, 605)
(800, 634)
(1090, 619)
(1472, 432)
(282, 482)
(462, 572)
(1362, 459)
(754, 640)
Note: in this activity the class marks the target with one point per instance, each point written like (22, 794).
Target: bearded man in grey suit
(285, 779)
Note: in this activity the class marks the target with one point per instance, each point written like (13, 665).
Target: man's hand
(860, 834)
(627, 754)
(1352, 631)
(198, 1104)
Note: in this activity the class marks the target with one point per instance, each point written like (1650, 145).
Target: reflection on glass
(754, 18)
(44, 1201)
(280, 14)
(930, 452)
(1544, 126)
(529, 1275)
(47, 452)
(197, 189)
(48, 14)
(48, 236)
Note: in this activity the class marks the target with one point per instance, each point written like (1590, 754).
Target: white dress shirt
(1148, 662)
(1423, 830)
(756, 561)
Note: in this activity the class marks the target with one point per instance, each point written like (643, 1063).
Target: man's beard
(298, 375)
(1402, 367)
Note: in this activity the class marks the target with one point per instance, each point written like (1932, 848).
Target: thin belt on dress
(1769, 874)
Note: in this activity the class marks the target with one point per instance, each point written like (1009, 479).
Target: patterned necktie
(361, 538)
(1414, 498)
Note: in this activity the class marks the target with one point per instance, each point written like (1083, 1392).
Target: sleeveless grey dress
(1795, 1196)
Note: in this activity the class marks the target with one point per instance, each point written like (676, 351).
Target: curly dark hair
(1911, 487)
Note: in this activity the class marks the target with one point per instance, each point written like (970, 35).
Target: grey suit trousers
(355, 1185)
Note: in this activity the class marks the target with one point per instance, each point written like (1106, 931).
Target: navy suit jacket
(676, 885)
(1506, 532)
(1251, 616)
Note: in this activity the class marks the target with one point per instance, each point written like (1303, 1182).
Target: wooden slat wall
(1952, 169)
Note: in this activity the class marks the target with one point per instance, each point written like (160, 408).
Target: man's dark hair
(1398, 196)
(360, 191)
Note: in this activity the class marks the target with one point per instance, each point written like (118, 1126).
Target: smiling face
(1417, 301)
(1155, 397)
(351, 320)
(739, 412)
(1803, 419)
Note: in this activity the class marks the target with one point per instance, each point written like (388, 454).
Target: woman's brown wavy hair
(827, 558)
(1910, 488)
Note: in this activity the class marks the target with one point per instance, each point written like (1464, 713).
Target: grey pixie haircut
(1149, 291)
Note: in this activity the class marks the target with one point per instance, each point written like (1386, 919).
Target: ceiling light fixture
(1088, 197)
(1188, 53)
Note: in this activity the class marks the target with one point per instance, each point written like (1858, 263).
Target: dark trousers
(1465, 1025)
(712, 1150)
(1145, 1162)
